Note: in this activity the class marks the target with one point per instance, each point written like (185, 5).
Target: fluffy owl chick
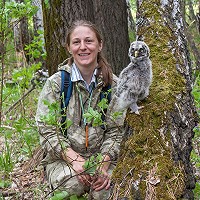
(135, 79)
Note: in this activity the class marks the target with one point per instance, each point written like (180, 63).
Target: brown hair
(103, 65)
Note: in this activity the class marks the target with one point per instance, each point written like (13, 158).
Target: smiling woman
(84, 47)
(66, 153)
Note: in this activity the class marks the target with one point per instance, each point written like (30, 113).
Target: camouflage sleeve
(50, 135)
(115, 129)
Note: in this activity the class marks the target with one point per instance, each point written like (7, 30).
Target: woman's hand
(101, 181)
(77, 163)
(83, 177)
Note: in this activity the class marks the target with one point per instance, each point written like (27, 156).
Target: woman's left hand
(101, 181)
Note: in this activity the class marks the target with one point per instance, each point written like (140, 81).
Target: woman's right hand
(77, 163)
(83, 177)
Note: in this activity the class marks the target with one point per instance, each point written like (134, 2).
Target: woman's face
(84, 47)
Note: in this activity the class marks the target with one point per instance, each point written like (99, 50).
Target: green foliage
(103, 104)
(197, 191)
(94, 116)
(19, 10)
(91, 165)
(195, 154)
(196, 93)
(6, 162)
(54, 115)
(28, 135)
(59, 195)
(14, 10)
(23, 76)
(36, 48)
(4, 183)
(46, 3)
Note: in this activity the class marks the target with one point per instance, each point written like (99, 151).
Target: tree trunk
(155, 159)
(38, 18)
(131, 22)
(191, 11)
(24, 34)
(110, 16)
(25, 37)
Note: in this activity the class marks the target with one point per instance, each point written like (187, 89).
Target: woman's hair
(103, 64)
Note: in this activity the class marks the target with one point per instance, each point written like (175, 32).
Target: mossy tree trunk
(155, 159)
(110, 16)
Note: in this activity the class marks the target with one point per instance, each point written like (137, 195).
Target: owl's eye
(141, 50)
(132, 51)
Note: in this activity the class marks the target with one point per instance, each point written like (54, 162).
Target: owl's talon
(140, 107)
(137, 112)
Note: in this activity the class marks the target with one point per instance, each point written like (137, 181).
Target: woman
(66, 155)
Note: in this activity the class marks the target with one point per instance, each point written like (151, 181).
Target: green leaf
(92, 163)
(73, 197)
(115, 115)
(82, 198)
(103, 104)
(59, 195)
(4, 184)
(99, 157)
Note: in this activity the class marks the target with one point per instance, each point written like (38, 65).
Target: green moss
(147, 149)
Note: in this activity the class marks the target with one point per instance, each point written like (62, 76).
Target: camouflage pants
(62, 175)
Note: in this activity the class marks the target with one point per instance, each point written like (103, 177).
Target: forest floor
(29, 185)
(26, 183)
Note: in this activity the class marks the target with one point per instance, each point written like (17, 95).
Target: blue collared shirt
(76, 76)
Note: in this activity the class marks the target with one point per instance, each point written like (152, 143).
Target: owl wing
(129, 79)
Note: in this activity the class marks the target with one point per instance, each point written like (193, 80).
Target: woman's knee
(63, 178)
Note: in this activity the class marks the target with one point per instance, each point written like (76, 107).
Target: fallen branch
(9, 193)
(15, 104)
(7, 127)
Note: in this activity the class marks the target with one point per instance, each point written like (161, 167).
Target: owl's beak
(136, 54)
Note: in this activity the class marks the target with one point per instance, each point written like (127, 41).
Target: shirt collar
(76, 76)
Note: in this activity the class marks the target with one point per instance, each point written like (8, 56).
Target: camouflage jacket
(52, 140)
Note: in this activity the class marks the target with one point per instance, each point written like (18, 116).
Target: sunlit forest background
(23, 73)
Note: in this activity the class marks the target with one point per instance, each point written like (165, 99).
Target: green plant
(197, 191)
(24, 75)
(36, 48)
(6, 162)
(54, 115)
(195, 154)
(60, 195)
(91, 164)
(28, 135)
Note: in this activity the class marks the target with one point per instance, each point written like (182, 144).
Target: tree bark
(22, 37)
(38, 18)
(155, 159)
(110, 16)
(131, 22)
